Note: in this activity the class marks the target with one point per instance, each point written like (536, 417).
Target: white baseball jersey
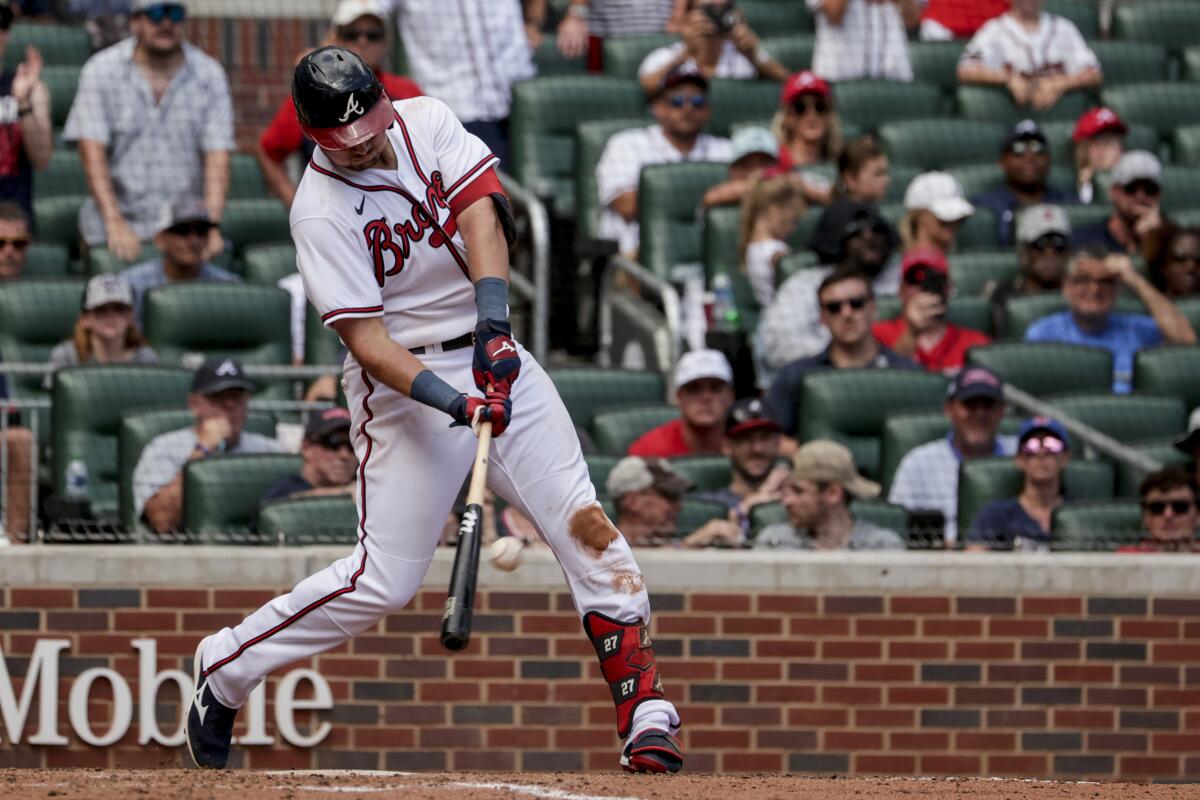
(870, 42)
(1055, 48)
(365, 250)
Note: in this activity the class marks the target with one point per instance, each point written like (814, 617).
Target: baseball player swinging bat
(460, 602)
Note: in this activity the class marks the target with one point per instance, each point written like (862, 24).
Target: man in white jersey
(400, 226)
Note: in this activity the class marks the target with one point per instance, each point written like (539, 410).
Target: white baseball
(505, 553)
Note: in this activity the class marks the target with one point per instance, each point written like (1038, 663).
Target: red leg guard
(627, 663)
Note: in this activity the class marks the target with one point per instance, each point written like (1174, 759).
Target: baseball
(505, 553)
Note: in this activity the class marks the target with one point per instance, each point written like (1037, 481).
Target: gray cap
(183, 211)
(1137, 165)
(1036, 221)
(105, 289)
(634, 473)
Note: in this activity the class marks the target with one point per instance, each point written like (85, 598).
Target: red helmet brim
(354, 133)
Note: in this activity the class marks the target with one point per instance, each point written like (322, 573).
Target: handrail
(661, 290)
(537, 291)
(302, 372)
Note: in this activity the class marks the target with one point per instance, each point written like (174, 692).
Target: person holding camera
(717, 43)
(859, 39)
(921, 332)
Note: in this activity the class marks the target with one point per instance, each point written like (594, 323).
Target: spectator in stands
(105, 332)
(1091, 293)
(934, 208)
(587, 23)
(1025, 160)
(754, 150)
(807, 127)
(717, 43)
(14, 240)
(681, 112)
(1099, 141)
(360, 26)
(921, 332)
(1043, 241)
(181, 242)
(1189, 445)
(850, 236)
(1023, 522)
(1136, 226)
(770, 211)
(704, 392)
(927, 478)
(219, 400)
(943, 20)
(328, 456)
(1169, 516)
(847, 305)
(859, 39)
(1038, 57)
(864, 172)
(26, 140)
(817, 498)
(469, 54)
(153, 121)
(1175, 271)
(647, 494)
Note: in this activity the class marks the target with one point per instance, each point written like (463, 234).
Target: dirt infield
(175, 784)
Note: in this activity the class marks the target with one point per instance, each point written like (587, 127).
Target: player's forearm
(487, 250)
(275, 175)
(95, 169)
(216, 182)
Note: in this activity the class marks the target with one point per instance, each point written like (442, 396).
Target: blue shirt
(1005, 525)
(1124, 336)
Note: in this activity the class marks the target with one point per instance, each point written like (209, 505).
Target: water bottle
(725, 313)
(77, 480)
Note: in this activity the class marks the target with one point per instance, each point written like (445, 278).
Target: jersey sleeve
(1079, 57)
(339, 277)
(984, 49)
(466, 163)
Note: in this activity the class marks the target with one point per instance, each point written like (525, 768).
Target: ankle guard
(627, 663)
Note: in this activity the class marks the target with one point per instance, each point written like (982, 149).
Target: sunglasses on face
(683, 100)
(1026, 147)
(1051, 241)
(835, 306)
(354, 34)
(1143, 186)
(1099, 283)
(18, 243)
(1159, 507)
(802, 105)
(161, 11)
(335, 443)
(1050, 445)
(190, 229)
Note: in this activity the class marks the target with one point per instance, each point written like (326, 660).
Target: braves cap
(1036, 425)
(1098, 120)
(924, 258)
(105, 289)
(697, 364)
(974, 382)
(753, 139)
(349, 10)
(1025, 129)
(678, 77)
(749, 414)
(1037, 221)
(801, 83)
(635, 474)
(826, 461)
(218, 374)
(1137, 165)
(327, 422)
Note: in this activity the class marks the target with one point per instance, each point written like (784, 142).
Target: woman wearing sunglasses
(1023, 522)
(1175, 268)
(1169, 515)
(25, 129)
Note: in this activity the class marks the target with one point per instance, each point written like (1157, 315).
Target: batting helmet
(339, 100)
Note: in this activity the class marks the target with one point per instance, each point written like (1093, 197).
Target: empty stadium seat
(941, 143)
(47, 260)
(599, 465)
(59, 45)
(936, 63)
(1169, 371)
(221, 493)
(870, 104)
(267, 264)
(1191, 63)
(1185, 145)
(1083, 13)
(591, 139)
(322, 345)
(1163, 106)
(850, 405)
(624, 54)
(981, 480)
(1171, 23)
(1096, 526)
(586, 390)
(1180, 187)
(770, 17)
(63, 81)
(305, 521)
(250, 323)
(734, 101)
(709, 473)
(250, 221)
(246, 178)
(794, 51)
(1129, 477)
(972, 272)
(62, 176)
(615, 429)
(1128, 417)
(549, 61)
(1082, 216)
(970, 312)
(1042, 368)
(996, 105)
(35, 315)
(668, 196)
(1130, 62)
(56, 219)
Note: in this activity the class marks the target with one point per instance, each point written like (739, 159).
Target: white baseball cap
(105, 289)
(753, 139)
(349, 10)
(699, 364)
(1137, 165)
(1036, 221)
(939, 193)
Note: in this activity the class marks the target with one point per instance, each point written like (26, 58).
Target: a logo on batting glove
(495, 407)
(496, 362)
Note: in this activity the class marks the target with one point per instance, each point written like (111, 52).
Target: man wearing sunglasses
(1136, 224)
(1093, 279)
(25, 129)
(1025, 161)
(153, 120)
(328, 459)
(1043, 243)
(1169, 514)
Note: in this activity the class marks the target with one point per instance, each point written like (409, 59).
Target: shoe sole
(195, 683)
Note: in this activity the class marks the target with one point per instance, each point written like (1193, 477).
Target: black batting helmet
(339, 100)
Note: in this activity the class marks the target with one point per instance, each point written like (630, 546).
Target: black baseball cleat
(209, 724)
(652, 750)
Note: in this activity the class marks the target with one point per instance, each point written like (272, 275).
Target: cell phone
(724, 15)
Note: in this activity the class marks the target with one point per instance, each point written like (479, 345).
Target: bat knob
(455, 642)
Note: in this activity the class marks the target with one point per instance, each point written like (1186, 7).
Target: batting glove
(496, 363)
(495, 407)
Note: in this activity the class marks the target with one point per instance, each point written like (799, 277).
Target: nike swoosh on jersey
(362, 202)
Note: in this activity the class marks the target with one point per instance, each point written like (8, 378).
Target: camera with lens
(724, 15)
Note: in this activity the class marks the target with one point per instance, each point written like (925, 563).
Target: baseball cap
(749, 414)
(801, 83)
(1097, 120)
(697, 364)
(678, 77)
(634, 473)
(1036, 221)
(974, 382)
(1136, 165)
(327, 422)
(184, 211)
(927, 257)
(842, 220)
(349, 10)
(104, 289)
(753, 139)
(1025, 129)
(1035, 425)
(1191, 441)
(940, 193)
(6, 15)
(822, 460)
(218, 374)
(142, 5)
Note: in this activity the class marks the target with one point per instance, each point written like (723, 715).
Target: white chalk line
(539, 791)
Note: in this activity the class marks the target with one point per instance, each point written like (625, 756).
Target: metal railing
(647, 304)
(534, 287)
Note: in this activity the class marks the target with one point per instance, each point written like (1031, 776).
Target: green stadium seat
(901, 175)
(60, 45)
(941, 143)
(1096, 526)
(137, 428)
(1129, 477)
(970, 312)
(47, 260)
(1127, 417)
(850, 405)
(793, 262)
(85, 420)
(1062, 149)
(722, 231)
(668, 196)
(694, 513)
(734, 102)
(794, 51)
(936, 63)
(1191, 63)
(250, 323)
(1022, 311)
(545, 115)
(591, 139)
(1185, 145)
(250, 221)
(1180, 187)
(1174, 24)
(549, 61)
(1169, 371)
(587, 390)
(599, 466)
(870, 104)
(322, 345)
(1187, 218)
(102, 261)
(981, 480)
(267, 264)
(1163, 106)
(615, 429)
(709, 473)
(775, 18)
(1082, 216)
(624, 54)
(35, 315)
(63, 176)
(1083, 13)
(56, 219)
(246, 178)
(304, 521)
(971, 273)
(1041, 368)
(1130, 62)
(221, 493)
(765, 514)
(63, 82)
(996, 105)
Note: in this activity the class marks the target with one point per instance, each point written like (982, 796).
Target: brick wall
(1061, 686)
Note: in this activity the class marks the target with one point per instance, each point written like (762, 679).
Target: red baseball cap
(924, 257)
(804, 83)
(1098, 120)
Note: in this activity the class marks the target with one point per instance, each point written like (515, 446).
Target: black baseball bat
(460, 602)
